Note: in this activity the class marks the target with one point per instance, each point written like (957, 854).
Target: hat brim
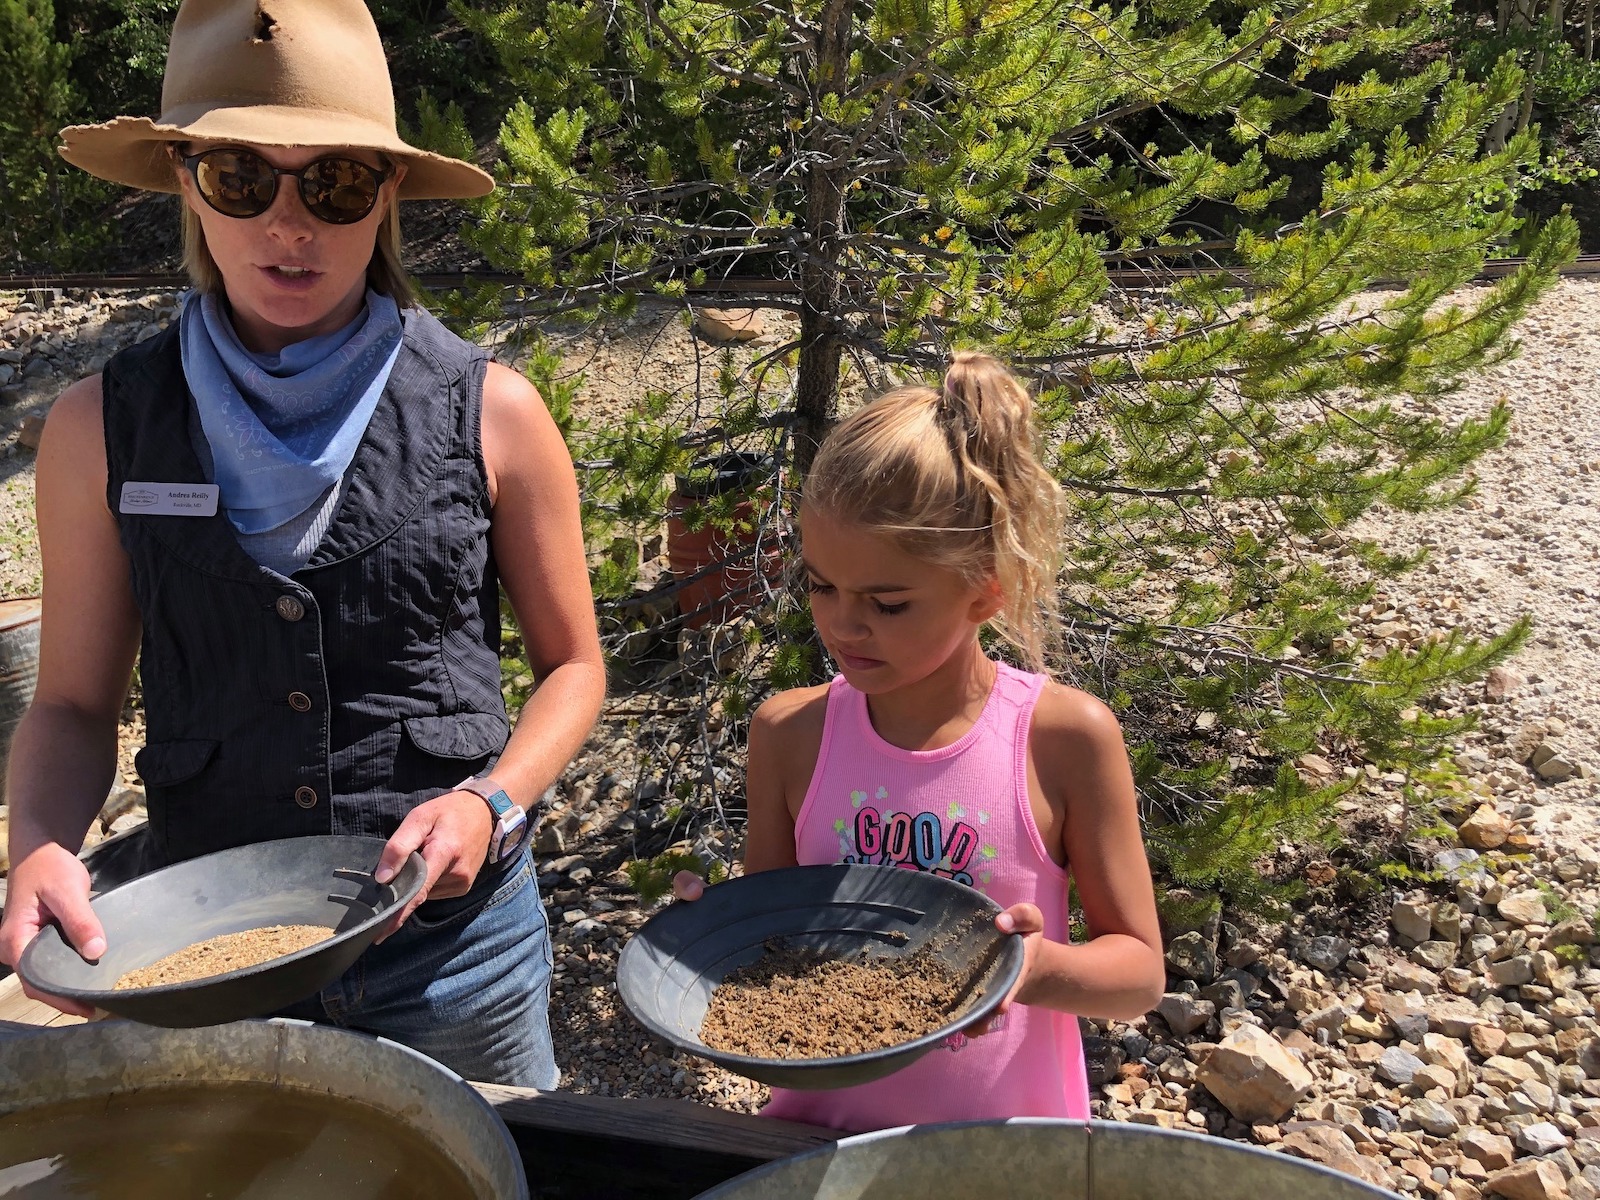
(132, 150)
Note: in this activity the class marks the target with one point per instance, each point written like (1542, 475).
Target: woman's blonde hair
(952, 475)
(385, 275)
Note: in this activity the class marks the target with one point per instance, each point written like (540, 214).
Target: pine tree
(1167, 213)
(44, 204)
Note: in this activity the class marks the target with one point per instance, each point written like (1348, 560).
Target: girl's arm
(781, 753)
(537, 538)
(1082, 765)
(64, 752)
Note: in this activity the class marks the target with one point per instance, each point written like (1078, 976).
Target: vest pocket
(166, 763)
(465, 736)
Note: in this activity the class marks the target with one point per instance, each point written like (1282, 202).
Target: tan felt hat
(269, 73)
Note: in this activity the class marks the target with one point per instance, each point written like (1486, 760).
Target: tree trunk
(817, 394)
(1557, 16)
(1509, 15)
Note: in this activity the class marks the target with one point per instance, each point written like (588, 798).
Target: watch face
(510, 833)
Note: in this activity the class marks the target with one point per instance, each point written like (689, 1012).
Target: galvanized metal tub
(1027, 1158)
(106, 1058)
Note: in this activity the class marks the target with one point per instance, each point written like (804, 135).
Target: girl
(926, 516)
(297, 507)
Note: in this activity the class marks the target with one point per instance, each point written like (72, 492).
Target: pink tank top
(960, 811)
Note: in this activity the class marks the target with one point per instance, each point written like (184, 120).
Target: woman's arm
(1082, 765)
(537, 538)
(64, 752)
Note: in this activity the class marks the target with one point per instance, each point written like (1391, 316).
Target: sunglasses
(240, 183)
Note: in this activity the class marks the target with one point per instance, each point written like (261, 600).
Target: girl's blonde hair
(385, 275)
(953, 476)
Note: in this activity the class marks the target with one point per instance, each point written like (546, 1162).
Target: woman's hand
(1027, 920)
(51, 885)
(452, 834)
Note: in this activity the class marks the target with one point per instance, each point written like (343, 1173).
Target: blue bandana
(283, 427)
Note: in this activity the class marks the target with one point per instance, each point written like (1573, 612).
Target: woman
(296, 508)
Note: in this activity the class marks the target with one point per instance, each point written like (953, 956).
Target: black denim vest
(337, 699)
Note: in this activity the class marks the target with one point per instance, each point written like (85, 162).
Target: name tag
(170, 499)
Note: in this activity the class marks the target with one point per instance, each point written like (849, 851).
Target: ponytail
(953, 476)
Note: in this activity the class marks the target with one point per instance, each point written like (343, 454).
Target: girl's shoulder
(786, 735)
(1069, 725)
(793, 712)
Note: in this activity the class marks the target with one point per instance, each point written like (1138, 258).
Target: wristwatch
(511, 825)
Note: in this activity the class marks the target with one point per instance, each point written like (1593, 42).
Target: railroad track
(1494, 268)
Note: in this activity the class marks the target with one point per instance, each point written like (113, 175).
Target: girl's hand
(1027, 920)
(686, 885)
(452, 834)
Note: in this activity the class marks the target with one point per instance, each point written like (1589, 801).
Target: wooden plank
(19, 1009)
(680, 1124)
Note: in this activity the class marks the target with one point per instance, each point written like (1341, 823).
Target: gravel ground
(1527, 542)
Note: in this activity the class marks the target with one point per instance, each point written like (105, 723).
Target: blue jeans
(466, 981)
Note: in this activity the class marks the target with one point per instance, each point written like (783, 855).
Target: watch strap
(512, 825)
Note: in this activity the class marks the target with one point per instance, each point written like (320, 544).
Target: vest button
(300, 702)
(290, 608)
(305, 797)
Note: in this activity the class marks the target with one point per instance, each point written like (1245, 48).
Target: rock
(1190, 956)
(1359, 1025)
(729, 324)
(1588, 1058)
(1530, 1179)
(1225, 993)
(1574, 931)
(1460, 864)
(1506, 1073)
(1412, 919)
(1488, 1040)
(1492, 1150)
(1398, 1066)
(1102, 1059)
(1523, 908)
(1253, 1076)
(1185, 1014)
(1511, 972)
(1551, 972)
(1440, 1051)
(1485, 829)
(1378, 1117)
(1543, 1138)
(1550, 762)
(32, 428)
(1447, 922)
(1431, 1117)
(1332, 1018)
(1501, 682)
(550, 839)
(1326, 953)
(1453, 1016)
(1333, 1148)
(1435, 954)
(1156, 1116)
(1410, 977)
